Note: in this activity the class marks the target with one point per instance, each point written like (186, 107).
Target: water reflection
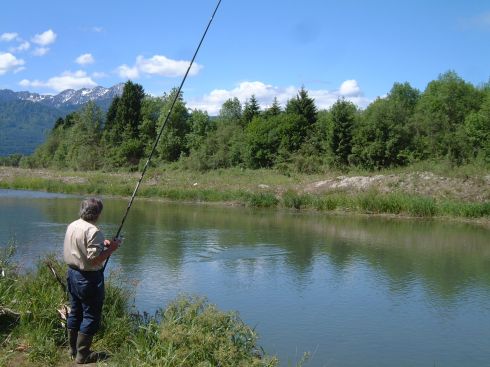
(448, 257)
(330, 284)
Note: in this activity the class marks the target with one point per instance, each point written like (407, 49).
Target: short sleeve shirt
(83, 242)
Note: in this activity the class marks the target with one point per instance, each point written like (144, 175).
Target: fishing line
(176, 96)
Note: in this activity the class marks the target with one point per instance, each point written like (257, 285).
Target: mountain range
(26, 118)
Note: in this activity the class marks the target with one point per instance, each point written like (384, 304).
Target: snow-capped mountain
(26, 118)
(69, 97)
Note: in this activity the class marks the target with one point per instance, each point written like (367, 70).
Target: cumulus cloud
(99, 75)
(85, 59)
(265, 94)
(67, 80)
(45, 38)
(23, 46)
(9, 62)
(8, 36)
(40, 51)
(157, 65)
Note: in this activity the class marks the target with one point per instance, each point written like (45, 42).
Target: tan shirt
(83, 242)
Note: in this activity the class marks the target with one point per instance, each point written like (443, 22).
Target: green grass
(260, 188)
(188, 332)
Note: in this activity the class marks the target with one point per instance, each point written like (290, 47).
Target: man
(85, 251)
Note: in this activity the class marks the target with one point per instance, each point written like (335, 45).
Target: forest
(449, 120)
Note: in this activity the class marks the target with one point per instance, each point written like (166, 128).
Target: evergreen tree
(250, 110)
(121, 135)
(303, 105)
(274, 109)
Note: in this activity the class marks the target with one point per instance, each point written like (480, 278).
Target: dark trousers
(86, 290)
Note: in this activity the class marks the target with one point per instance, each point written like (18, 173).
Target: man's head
(90, 209)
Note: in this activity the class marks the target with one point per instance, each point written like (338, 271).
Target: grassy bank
(397, 192)
(188, 332)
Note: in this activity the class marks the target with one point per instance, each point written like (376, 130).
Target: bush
(189, 332)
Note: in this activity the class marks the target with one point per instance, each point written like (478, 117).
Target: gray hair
(90, 209)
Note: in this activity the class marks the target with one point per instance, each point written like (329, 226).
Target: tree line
(449, 120)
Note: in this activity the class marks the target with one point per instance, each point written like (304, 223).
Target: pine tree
(251, 109)
(274, 109)
(303, 105)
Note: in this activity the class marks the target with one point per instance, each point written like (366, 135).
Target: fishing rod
(176, 96)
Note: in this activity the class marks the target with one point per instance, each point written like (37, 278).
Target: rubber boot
(84, 354)
(72, 339)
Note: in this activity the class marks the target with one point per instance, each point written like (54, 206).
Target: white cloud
(8, 36)
(128, 73)
(9, 62)
(67, 80)
(157, 65)
(349, 88)
(97, 29)
(85, 59)
(265, 94)
(21, 47)
(45, 38)
(40, 51)
(99, 74)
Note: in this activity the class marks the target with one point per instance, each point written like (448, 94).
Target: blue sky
(351, 48)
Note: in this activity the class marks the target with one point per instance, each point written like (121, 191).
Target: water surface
(353, 291)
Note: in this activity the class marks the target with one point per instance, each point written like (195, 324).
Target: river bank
(461, 194)
(189, 331)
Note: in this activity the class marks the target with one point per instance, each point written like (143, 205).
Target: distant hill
(26, 118)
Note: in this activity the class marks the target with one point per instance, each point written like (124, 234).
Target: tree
(274, 109)
(384, 137)
(231, 111)
(83, 148)
(477, 131)
(264, 137)
(343, 120)
(303, 105)
(121, 135)
(250, 110)
(173, 143)
(442, 109)
(150, 113)
(201, 126)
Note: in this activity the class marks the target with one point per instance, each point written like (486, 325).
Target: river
(350, 290)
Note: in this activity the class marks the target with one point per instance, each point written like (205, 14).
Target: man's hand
(112, 245)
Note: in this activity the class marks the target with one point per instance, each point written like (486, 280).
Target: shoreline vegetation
(411, 153)
(461, 193)
(187, 332)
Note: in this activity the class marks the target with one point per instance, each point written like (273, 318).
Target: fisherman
(85, 250)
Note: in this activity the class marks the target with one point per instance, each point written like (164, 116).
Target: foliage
(440, 114)
(189, 331)
(173, 144)
(449, 121)
(343, 121)
(121, 136)
(384, 137)
(250, 110)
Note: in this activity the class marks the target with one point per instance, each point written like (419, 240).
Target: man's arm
(110, 247)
